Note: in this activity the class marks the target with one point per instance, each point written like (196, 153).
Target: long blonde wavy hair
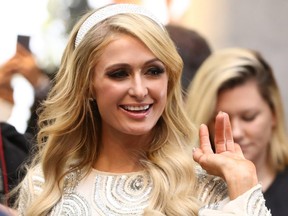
(226, 69)
(70, 127)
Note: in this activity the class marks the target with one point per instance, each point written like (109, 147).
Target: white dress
(110, 194)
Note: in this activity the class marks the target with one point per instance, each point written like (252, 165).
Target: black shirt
(15, 148)
(277, 195)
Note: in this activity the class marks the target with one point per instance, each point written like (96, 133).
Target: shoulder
(211, 189)
(32, 183)
(274, 194)
(279, 184)
(284, 173)
(282, 177)
(30, 187)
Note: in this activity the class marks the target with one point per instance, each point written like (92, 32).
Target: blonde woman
(241, 83)
(115, 139)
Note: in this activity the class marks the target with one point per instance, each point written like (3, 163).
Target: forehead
(125, 44)
(246, 94)
(127, 50)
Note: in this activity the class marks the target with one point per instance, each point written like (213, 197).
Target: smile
(136, 108)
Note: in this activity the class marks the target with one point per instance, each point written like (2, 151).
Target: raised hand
(228, 161)
(27, 65)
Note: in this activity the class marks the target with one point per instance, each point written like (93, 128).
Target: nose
(236, 130)
(138, 88)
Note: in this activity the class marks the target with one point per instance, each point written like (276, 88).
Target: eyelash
(154, 71)
(249, 118)
(244, 118)
(118, 74)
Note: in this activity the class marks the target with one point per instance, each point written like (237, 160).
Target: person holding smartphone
(17, 74)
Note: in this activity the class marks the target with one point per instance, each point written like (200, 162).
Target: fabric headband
(110, 11)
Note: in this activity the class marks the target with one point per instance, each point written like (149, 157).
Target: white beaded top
(103, 193)
(124, 194)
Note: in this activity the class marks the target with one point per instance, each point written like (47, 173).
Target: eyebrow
(126, 64)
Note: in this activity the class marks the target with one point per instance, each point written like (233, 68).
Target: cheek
(261, 130)
(162, 86)
(162, 92)
(108, 100)
(266, 126)
(107, 89)
(262, 136)
(106, 97)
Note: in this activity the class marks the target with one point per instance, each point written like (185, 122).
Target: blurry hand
(7, 211)
(7, 71)
(24, 63)
(27, 66)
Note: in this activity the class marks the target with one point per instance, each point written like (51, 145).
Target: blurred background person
(14, 151)
(23, 86)
(240, 82)
(193, 49)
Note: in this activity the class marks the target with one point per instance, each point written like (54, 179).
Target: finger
(220, 141)
(238, 150)
(21, 50)
(228, 133)
(197, 154)
(205, 143)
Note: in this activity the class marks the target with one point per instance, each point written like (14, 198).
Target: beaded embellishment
(109, 11)
(110, 194)
(122, 194)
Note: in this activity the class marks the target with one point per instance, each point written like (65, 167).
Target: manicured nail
(221, 113)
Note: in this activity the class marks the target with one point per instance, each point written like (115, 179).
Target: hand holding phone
(24, 40)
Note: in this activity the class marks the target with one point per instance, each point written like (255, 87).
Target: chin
(139, 132)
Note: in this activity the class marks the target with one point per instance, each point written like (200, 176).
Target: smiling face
(251, 118)
(130, 87)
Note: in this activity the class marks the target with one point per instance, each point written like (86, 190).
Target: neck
(120, 155)
(266, 174)
(118, 162)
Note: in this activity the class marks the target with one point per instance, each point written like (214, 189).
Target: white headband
(110, 11)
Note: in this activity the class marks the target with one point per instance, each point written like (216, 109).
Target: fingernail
(221, 112)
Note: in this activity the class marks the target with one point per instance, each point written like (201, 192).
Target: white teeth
(136, 108)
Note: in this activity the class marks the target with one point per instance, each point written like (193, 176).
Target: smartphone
(24, 40)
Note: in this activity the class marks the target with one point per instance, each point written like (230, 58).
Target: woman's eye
(118, 74)
(155, 71)
(249, 118)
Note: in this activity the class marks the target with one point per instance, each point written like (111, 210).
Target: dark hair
(193, 49)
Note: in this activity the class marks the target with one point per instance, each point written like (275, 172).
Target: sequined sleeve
(31, 187)
(213, 193)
